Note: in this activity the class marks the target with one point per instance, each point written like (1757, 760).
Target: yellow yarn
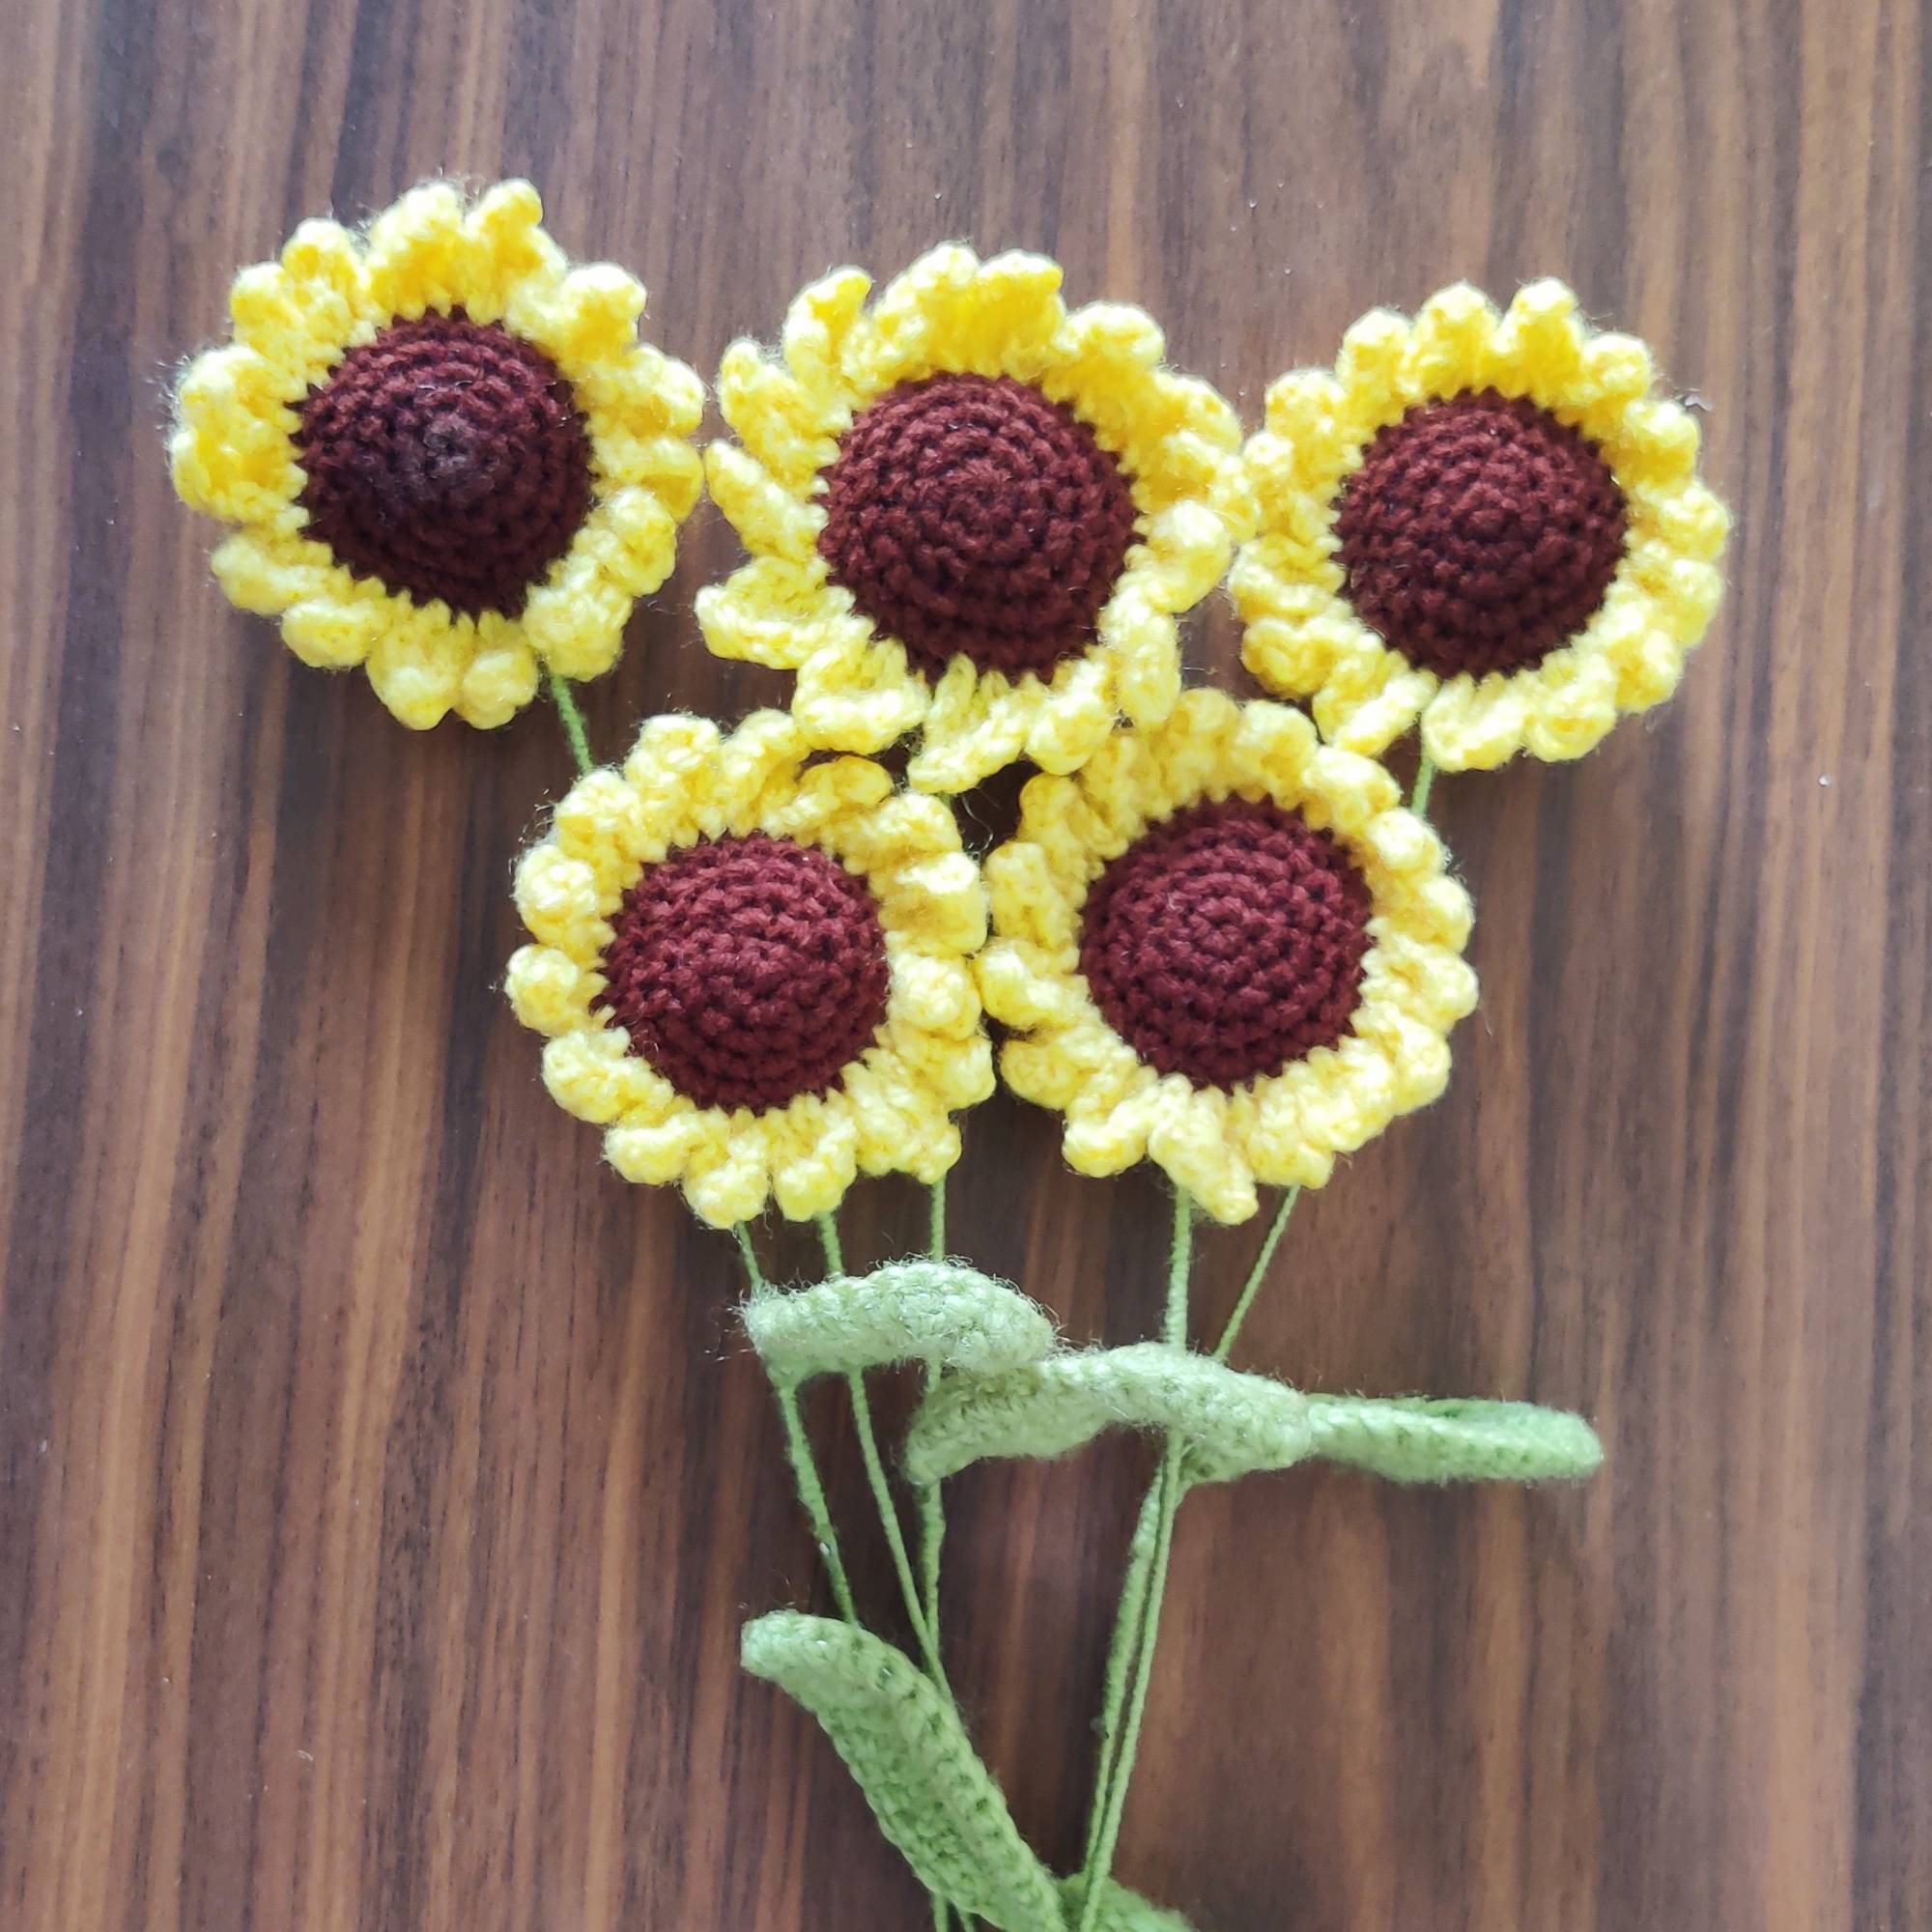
(1282, 1130)
(685, 782)
(952, 313)
(332, 291)
(1303, 637)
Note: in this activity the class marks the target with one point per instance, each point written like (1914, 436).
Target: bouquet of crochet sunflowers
(1220, 939)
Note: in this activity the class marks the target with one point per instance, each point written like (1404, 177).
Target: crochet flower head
(970, 514)
(754, 973)
(449, 456)
(1483, 522)
(1226, 947)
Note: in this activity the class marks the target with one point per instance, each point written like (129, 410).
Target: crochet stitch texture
(1227, 941)
(1479, 533)
(748, 971)
(970, 516)
(447, 459)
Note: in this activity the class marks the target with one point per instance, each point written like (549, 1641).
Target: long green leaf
(1414, 1439)
(901, 1739)
(1233, 1423)
(916, 1311)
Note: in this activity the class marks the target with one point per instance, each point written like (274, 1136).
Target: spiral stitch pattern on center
(969, 515)
(448, 459)
(1227, 941)
(748, 971)
(1479, 533)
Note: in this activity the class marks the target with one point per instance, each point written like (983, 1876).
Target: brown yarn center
(970, 516)
(1479, 533)
(747, 970)
(1227, 941)
(448, 460)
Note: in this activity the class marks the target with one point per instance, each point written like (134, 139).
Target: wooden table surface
(383, 1482)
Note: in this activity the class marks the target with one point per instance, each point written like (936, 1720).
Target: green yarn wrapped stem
(805, 1478)
(572, 720)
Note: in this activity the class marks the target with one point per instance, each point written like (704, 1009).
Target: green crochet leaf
(1412, 1439)
(916, 1311)
(1232, 1422)
(904, 1744)
(1121, 1910)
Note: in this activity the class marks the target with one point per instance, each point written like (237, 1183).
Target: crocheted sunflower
(449, 456)
(754, 975)
(1226, 947)
(970, 514)
(1483, 521)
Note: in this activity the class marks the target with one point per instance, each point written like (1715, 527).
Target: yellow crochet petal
(230, 453)
(331, 633)
(776, 611)
(818, 327)
(854, 697)
(1145, 644)
(416, 252)
(575, 622)
(297, 330)
(1190, 1139)
(940, 901)
(558, 900)
(268, 571)
(1539, 346)
(813, 1147)
(771, 521)
(974, 724)
(1454, 345)
(1372, 369)
(506, 248)
(547, 990)
(784, 425)
(1471, 726)
(631, 537)
(1074, 715)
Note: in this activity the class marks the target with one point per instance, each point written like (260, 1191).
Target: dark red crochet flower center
(448, 460)
(1227, 941)
(968, 515)
(1479, 533)
(748, 971)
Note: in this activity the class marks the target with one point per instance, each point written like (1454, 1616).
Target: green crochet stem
(1425, 778)
(931, 1503)
(798, 1451)
(571, 719)
(882, 1494)
(1141, 1551)
(1137, 1624)
(932, 1518)
(1251, 1288)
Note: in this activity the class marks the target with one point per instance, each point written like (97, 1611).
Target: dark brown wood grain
(383, 1482)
